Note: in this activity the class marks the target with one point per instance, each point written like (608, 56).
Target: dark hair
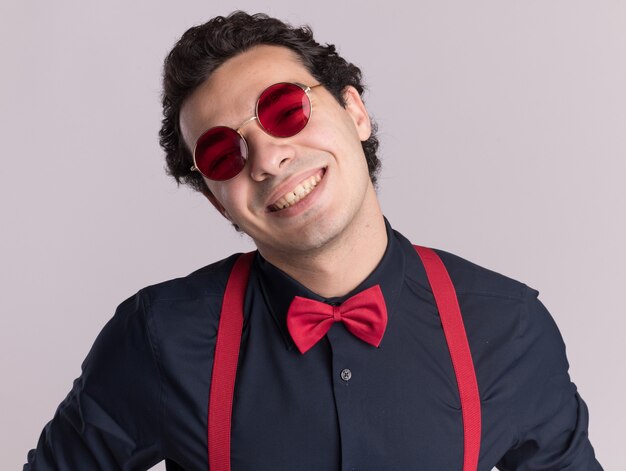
(204, 48)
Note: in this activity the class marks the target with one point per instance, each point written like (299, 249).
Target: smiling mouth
(301, 191)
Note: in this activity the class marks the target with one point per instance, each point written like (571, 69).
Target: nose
(268, 156)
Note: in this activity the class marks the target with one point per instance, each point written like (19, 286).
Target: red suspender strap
(225, 364)
(452, 322)
(229, 338)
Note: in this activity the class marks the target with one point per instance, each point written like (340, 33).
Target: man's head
(214, 77)
(202, 49)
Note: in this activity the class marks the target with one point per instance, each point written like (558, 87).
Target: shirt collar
(279, 289)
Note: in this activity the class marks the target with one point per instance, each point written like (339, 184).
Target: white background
(503, 128)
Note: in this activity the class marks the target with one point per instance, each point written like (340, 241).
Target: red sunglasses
(282, 110)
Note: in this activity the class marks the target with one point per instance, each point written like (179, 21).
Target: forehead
(229, 95)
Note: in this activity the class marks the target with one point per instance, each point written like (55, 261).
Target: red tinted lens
(284, 109)
(220, 153)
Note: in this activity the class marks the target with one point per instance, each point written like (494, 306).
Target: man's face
(328, 149)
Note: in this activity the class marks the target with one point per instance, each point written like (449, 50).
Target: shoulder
(176, 304)
(491, 299)
(469, 278)
(491, 303)
(206, 282)
(495, 305)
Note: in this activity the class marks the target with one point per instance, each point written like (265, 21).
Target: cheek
(233, 196)
(343, 132)
(328, 133)
(343, 141)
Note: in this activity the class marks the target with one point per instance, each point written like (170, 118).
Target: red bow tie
(364, 314)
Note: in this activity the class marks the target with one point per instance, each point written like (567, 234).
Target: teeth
(299, 192)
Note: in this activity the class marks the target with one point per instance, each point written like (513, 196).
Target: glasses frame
(305, 88)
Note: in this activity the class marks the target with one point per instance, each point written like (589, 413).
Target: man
(270, 127)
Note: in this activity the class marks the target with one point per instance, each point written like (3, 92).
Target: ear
(216, 204)
(357, 111)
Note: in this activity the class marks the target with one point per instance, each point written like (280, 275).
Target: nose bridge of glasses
(246, 122)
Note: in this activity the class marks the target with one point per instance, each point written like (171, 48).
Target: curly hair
(203, 48)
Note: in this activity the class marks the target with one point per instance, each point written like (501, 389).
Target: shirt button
(346, 374)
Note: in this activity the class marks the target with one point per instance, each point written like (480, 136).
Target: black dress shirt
(344, 405)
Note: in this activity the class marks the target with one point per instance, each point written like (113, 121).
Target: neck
(341, 264)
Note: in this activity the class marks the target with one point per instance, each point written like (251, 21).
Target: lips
(304, 186)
